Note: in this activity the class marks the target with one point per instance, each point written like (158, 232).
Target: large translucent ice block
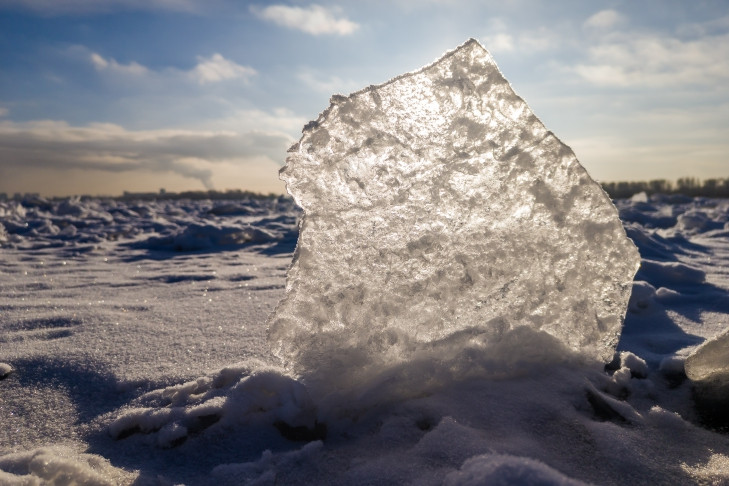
(437, 205)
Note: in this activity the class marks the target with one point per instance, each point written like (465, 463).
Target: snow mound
(248, 394)
(700, 221)
(197, 237)
(264, 471)
(80, 225)
(440, 214)
(498, 469)
(671, 272)
(59, 466)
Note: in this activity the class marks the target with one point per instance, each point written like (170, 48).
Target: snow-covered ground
(133, 351)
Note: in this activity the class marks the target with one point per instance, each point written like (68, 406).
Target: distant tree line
(688, 186)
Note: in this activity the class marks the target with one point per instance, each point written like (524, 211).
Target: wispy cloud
(314, 19)
(718, 25)
(629, 59)
(213, 69)
(503, 39)
(500, 42)
(604, 19)
(217, 68)
(110, 64)
(112, 148)
(280, 121)
(328, 85)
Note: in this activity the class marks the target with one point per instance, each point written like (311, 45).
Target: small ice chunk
(710, 361)
(5, 370)
(708, 368)
(440, 212)
(635, 364)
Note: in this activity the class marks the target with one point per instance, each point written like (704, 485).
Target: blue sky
(101, 96)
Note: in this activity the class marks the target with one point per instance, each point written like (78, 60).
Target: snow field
(121, 357)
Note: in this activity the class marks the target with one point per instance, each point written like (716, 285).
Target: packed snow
(128, 359)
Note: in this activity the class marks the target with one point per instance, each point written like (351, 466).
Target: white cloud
(604, 20)
(212, 69)
(328, 85)
(501, 38)
(195, 154)
(499, 42)
(314, 19)
(715, 26)
(630, 59)
(217, 68)
(281, 121)
(98, 61)
(538, 40)
(102, 64)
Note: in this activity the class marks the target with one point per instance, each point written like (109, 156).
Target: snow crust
(441, 218)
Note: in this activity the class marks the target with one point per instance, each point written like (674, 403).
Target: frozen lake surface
(133, 350)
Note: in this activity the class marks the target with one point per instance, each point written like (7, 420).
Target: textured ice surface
(440, 213)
